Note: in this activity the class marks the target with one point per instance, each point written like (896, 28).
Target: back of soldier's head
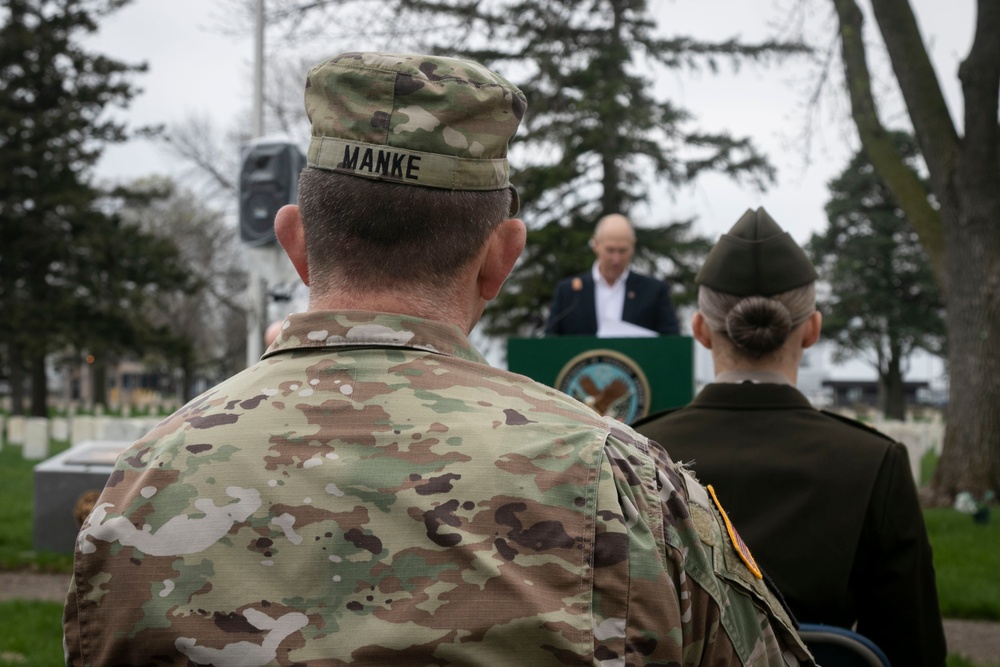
(756, 285)
(407, 167)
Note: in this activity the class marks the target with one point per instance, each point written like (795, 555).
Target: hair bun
(758, 325)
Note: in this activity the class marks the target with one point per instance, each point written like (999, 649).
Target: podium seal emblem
(607, 381)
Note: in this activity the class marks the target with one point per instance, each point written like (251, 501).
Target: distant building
(852, 393)
(129, 383)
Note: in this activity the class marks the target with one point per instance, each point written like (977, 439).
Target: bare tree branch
(196, 141)
(903, 181)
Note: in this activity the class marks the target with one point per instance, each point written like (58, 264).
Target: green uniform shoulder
(857, 424)
(654, 417)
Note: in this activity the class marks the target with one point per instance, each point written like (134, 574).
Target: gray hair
(757, 325)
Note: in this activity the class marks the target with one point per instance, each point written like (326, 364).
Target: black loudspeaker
(269, 178)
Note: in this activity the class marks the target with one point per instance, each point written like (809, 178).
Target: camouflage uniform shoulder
(854, 423)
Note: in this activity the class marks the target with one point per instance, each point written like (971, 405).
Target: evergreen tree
(883, 301)
(127, 277)
(70, 272)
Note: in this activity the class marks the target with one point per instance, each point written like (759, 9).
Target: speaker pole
(256, 289)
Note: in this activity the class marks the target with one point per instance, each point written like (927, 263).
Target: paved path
(32, 586)
(978, 641)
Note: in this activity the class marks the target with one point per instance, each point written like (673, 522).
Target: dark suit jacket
(827, 506)
(647, 304)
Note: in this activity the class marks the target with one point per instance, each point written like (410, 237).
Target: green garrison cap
(756, 258)
(420, 120)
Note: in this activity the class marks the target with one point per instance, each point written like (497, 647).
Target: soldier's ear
(502, 249)
(700, 330)
(288, 229)
(813, 326)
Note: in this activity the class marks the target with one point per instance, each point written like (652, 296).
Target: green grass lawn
(957, 661)
(16, 498)
(966, 559)
(31, 634)
(967, 563)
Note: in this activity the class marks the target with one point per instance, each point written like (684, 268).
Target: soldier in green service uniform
(827, 504)
(372, 491)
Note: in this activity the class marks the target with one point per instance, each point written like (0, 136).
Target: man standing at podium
(610, 299)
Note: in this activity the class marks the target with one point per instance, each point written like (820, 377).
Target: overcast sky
(194, 69)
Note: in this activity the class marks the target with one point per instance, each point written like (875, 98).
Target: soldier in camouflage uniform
(372, 491)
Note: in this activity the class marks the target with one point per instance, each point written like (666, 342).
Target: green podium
(626, 378)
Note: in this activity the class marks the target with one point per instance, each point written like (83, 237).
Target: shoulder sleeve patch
(738, 544)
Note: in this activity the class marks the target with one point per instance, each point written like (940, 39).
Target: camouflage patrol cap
(756, 258)
(414, 119)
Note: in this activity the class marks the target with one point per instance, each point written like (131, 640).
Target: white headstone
(918, 437)
(60, 428)
(15, 429)
(36, 439)
(81, 429)
(100, 426)
(128, 430)
(935, 432)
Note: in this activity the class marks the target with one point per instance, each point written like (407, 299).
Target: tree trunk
(971, 458)
(16, 386)
(99, 383)
(187, 380)
(966, 183)
(932, 123)
(905, 185)
(893, 390)
(612, 197)
(39, 386)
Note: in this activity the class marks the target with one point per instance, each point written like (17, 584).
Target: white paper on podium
(624, 329)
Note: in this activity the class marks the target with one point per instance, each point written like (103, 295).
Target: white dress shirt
(609, 299)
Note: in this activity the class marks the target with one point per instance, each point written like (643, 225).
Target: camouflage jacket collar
(323, 329)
